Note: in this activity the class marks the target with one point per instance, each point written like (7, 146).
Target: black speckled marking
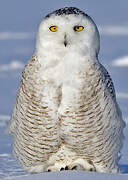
(67, 11)
(108, 81)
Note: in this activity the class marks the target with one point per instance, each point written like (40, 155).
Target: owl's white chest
(67, 75)
(66, 72)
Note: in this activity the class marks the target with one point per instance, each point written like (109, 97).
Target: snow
(3, 120)
(17, 42)
(16, 35)
(13, 65)
(4, 117)
(4, 155)
(114, 30)
(121, 61)
(72, 175)
(122, 95)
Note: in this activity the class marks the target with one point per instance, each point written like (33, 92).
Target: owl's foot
(79, 165)
(53, 168)
(76, 167)
(83, 165)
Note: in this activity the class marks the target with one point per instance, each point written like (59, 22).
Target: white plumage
(66, 114)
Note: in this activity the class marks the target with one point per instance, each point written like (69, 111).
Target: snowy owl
(66, 115)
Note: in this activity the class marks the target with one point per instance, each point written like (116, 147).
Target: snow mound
(122, 95)
(121, 62)
(4, 119)
(114, 30)
(16, 35)
(14, 65)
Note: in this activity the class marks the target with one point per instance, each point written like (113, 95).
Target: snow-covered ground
(19, 21)
(71, 175)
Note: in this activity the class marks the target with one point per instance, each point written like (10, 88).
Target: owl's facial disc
(65, 30)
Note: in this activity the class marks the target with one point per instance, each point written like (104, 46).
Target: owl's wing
(23, 98)
(29, 98)
(108, 81)
(34, 121)
(109, 85)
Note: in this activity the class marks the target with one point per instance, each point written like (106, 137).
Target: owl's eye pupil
(78, 28)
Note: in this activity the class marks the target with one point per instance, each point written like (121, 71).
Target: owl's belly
(76, 118)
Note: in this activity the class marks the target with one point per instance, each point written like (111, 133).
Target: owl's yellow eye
(78, 28)
(53, 28)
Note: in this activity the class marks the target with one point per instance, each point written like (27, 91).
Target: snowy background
(19, 21)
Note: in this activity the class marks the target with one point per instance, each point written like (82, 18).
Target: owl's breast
(67, 72)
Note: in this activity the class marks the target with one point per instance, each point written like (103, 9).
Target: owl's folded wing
(24, 96)
(108, 81)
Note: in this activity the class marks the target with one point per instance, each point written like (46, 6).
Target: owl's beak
(65, 40)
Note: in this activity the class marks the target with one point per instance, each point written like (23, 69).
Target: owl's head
(68, 29)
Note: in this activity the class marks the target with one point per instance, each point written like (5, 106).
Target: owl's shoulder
(32, 67)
